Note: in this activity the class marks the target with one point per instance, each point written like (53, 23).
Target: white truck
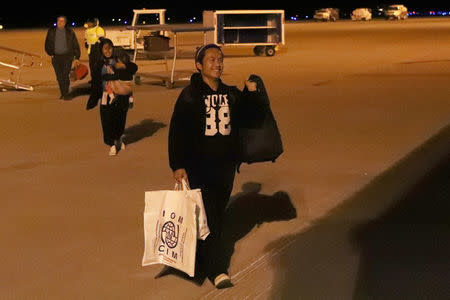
(326, 14)
(131, 39)
(362, 14)
(396, 12)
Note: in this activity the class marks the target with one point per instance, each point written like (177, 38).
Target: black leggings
(114, 118)
(215, 179)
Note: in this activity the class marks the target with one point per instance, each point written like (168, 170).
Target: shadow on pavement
(405, 253)
(78, 90)
(246, 210)
(388, 241)
(250, 208)
(145, 128)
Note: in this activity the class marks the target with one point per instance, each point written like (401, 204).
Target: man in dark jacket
(203, 147)
(62, 45)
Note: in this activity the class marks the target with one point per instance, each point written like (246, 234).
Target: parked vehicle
(326, 14)
(396, 12)
(362, 14)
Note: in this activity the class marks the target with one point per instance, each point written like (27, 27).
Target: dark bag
(92, 102)
(262, 143)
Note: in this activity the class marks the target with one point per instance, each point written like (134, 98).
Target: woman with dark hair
(113, 106)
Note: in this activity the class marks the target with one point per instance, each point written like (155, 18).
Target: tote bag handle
(183, 186)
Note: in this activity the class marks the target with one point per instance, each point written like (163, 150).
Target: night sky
(45, 14)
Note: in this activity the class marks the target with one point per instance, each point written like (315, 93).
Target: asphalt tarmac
(354, 208)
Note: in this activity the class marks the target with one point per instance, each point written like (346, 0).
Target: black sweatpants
(215, 179)
(114, 118)
(62, 65)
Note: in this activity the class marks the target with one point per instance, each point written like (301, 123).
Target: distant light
(1, 27)
(168, 19)
(120, 20)
(54, 24)
(73, 23)
(113, 20)
(125, 22)
(307, 17)
(190, 20)
(194, 18)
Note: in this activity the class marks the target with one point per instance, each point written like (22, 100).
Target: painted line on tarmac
(257, 264)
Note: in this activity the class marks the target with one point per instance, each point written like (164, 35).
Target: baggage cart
(261, 29)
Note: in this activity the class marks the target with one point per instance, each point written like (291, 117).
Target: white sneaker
(222, 281)
(112, 150)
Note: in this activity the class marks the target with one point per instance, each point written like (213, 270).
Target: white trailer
(134, 39)
(261, 29)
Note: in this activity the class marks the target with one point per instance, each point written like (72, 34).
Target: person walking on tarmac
(62, 45)
(113, 107)
(93, 34)
(203, 147)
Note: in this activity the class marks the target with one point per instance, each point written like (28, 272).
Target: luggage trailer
(169, 78)
(261, 29)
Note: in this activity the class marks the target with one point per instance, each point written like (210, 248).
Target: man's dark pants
(215, 179)
(62, 65)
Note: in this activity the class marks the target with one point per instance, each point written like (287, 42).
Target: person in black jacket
(113, 107)
(203, 147)
(62, 45)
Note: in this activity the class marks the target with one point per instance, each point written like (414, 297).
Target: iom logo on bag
(169, 235)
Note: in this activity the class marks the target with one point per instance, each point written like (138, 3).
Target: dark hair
(103, 42)
(106, 41)
(200, 54)
(94, 21)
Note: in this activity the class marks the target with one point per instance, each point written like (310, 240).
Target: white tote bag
(200, 213)
(170, 227)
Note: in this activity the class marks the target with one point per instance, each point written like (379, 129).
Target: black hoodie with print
(205, 123)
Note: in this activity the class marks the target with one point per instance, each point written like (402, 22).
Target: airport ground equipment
(134, 39)
(21, 59)
(361, 14)
(163, 50)
(261, 29)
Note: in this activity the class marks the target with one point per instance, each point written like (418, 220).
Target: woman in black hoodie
(203, 147)
(113, 107)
